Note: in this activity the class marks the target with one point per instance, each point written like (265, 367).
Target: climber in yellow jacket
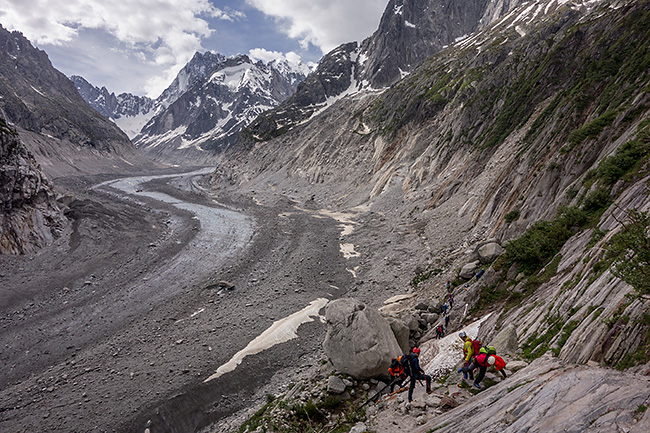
(468, 353)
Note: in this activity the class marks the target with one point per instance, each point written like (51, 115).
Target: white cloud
(164, 32)
(265, 55)
(324, 23)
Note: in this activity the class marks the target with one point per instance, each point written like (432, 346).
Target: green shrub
(544, 240)
(331, 402)
(512, 215)
(597, 200)
(623, 161)
(308, 411)
(629, 250)
(592, 129)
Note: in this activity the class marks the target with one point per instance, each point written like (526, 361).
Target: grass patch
(592, 129)
(423, 276)
(566, 333)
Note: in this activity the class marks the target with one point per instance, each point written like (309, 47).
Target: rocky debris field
(115, 325)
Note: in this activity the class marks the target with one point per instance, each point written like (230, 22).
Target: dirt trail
(120, 321)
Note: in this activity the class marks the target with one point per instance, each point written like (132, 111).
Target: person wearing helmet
(498, 363)
(398, 373)
(417, 373)
(468, 352)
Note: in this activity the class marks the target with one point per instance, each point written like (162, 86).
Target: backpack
(396, 368)
(491, 350)
(405, 361)
(481, 359)
(499, 363)
(476, 345)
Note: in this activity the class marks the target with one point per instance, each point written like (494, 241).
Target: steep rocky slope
(541, 117)
(30, 215)
(63, 133)
(409, 33)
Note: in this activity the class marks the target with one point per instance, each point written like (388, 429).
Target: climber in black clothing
(417, 373)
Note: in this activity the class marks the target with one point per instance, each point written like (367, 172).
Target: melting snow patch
(281, 331)
(409, 24)
(441, 356)
(348, 251)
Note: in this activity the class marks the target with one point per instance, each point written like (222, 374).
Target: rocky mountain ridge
(63, 133)
(208, 116)
(409, 32)
(202, 111)
(129, 112)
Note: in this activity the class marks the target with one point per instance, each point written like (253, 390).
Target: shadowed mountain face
(54, 122)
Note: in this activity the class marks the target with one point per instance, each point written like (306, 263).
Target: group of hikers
(406, 368)
(475, 356)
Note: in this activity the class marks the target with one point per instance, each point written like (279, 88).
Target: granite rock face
(30, 216)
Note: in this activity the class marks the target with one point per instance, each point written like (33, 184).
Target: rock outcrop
(549, 396)
(359, 341)
(30, 216)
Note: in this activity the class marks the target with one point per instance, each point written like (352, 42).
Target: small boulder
(489, 252)
(516, 365)
(413, 323)
(359, 428)
(448, 402)
(506, 340)
(467, 271)
(436, 307)
(401, 332)
(430, 318)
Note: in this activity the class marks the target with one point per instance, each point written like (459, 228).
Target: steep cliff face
(30, 216)
(493, 134)
(50, 115)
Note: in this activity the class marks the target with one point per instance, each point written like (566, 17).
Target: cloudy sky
(138, 46)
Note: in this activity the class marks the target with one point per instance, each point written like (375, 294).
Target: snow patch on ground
(441, 356)
(132, 125)
(281, 331)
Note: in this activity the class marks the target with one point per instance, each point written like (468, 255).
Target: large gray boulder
(489, 252)
(359, 341)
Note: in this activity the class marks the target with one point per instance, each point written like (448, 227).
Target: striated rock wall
(30, 216)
